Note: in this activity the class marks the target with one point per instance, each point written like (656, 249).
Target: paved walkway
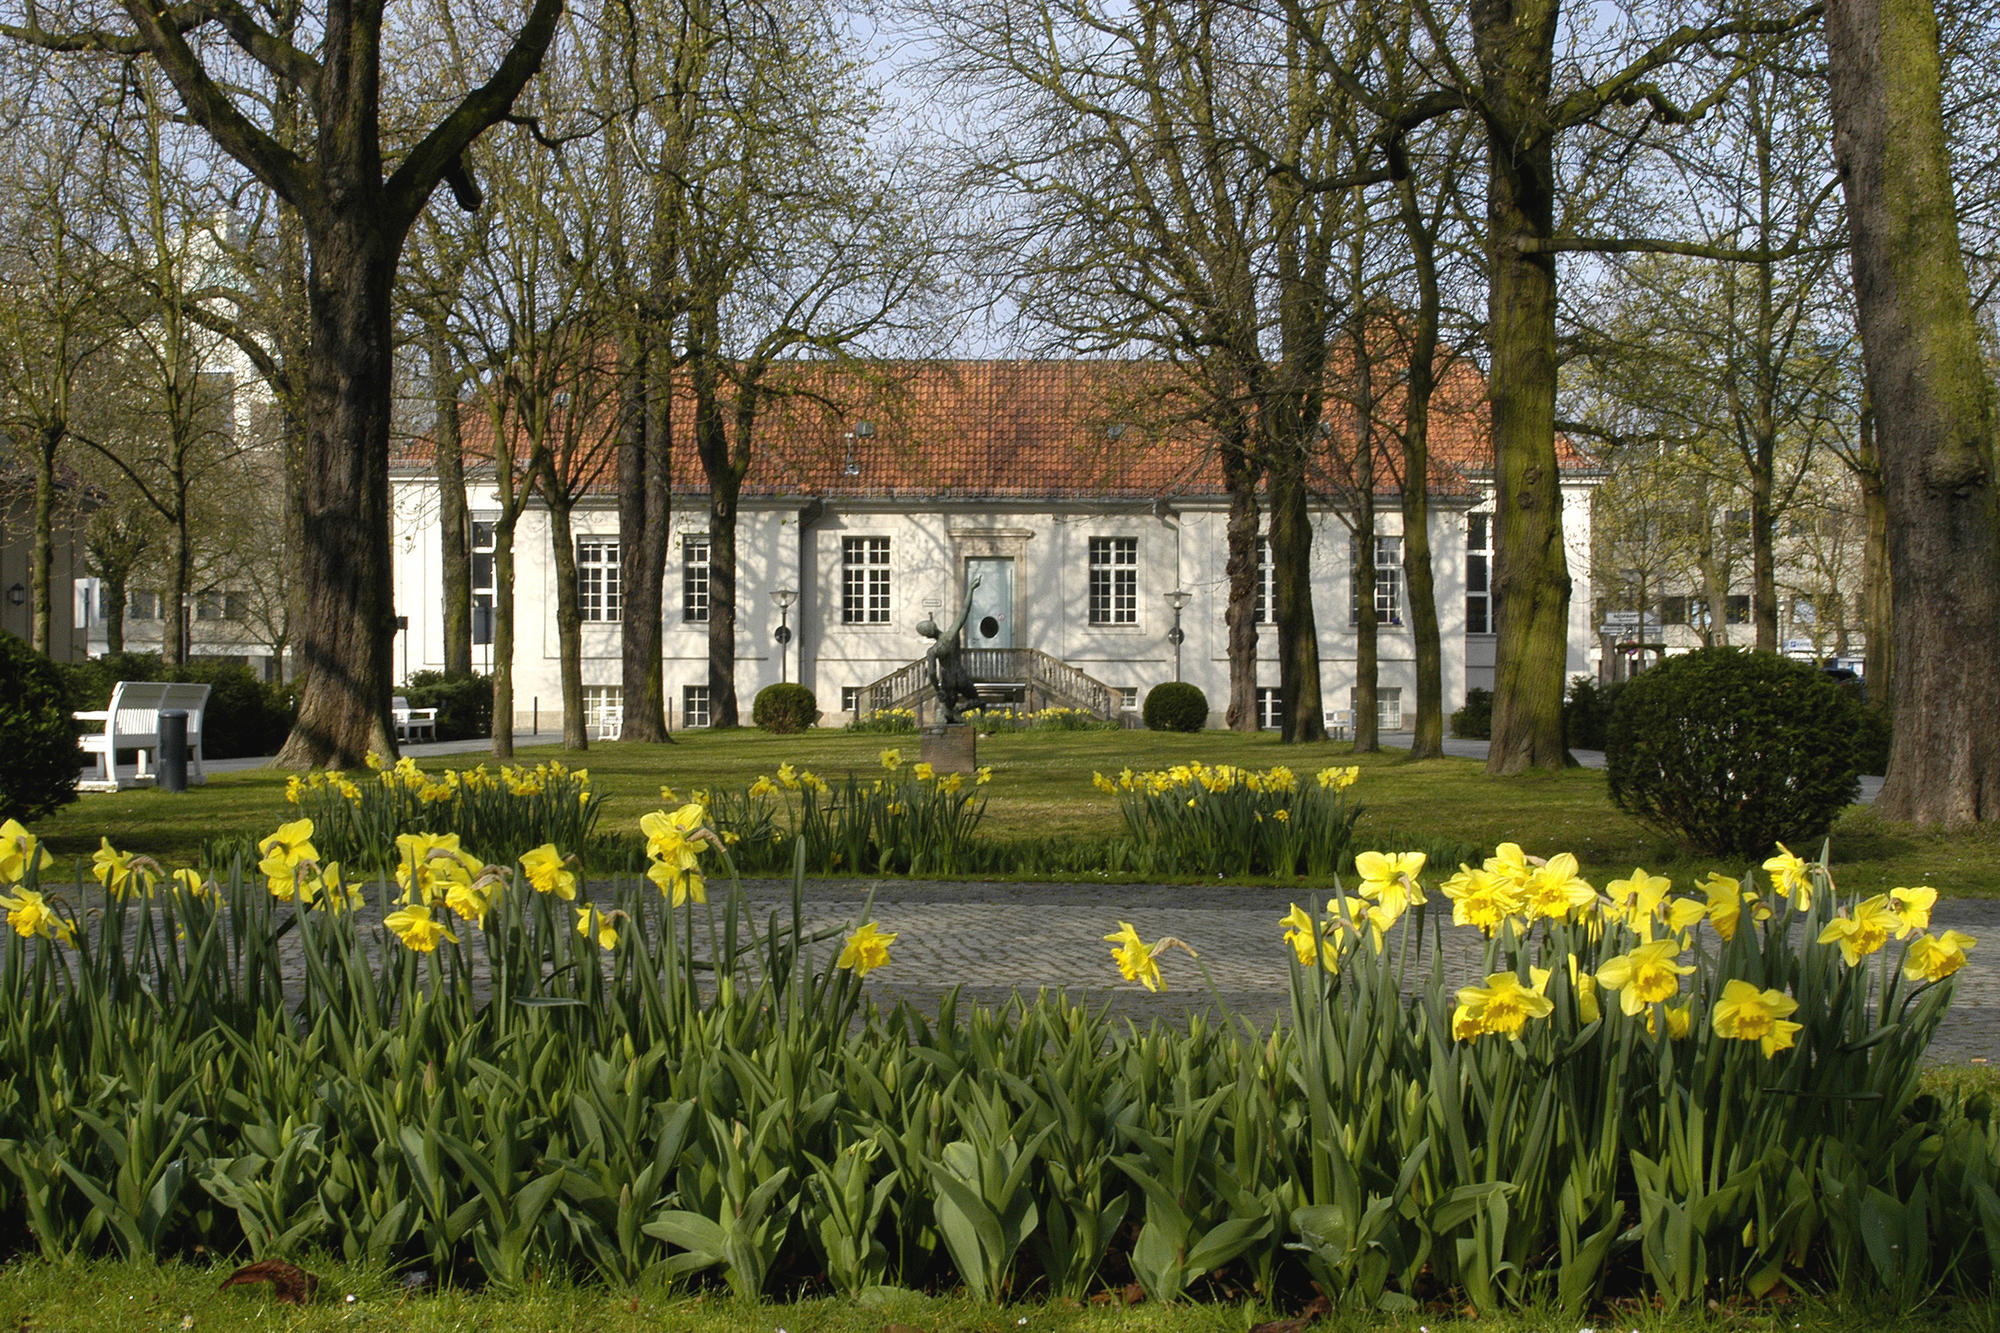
(993, 939)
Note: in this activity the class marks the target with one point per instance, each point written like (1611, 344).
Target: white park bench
(132, 724)
(413, 724)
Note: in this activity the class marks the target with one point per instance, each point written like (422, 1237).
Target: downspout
(809, 513)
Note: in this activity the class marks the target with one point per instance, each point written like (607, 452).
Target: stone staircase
(1024, 678)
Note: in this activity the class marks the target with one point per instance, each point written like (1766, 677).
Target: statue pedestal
(951, 747)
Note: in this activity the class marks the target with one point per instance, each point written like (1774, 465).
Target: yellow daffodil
(984, 774)
(1649, 974)
(1555, 890)
(1481, 898)
(325, 887)
(430, 865)
(471, 899)
(548, 871)
(191, 881)
(866, 949)
(286, 855)
(1873, 922)
(1137, 960)
(1339, 779)
(923, 772)
(1725, 902)
(415, 927)
(1745, 1013)
(1913, 909)
(1935, 957)
(20, 853)
(788, 777)
(29, 915)
(892, 758)
(763, 786)
(591, 922)
(1389, 879)
(1790, 877)
(113, 868)
(1509, 863)
(1584, 987)
(1502, 1007)
(1680, 1019)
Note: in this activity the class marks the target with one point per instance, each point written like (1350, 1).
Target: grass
(108, 1297)
(1042, 790)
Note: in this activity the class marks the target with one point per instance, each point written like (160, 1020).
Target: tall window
(1388, 706)
(1114, 580)
(141, 605)
(482, 582)
(694, 579)
(597, 578)
(604, 710)
(694, 705)
(1270, 708)
(1479, 574)
(1388, 582)
(864, 584)
(1267, 585)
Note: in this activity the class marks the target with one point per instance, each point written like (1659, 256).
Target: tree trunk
(454, 528)
(114, 612)
(42, 564)
(645, 408)
(1877, 622)
(569, 617)
(712, 440)
(503, 635)
(1239, 616)
(1933, 410)
(1428, 740)
(1298, 631)
(348, 621)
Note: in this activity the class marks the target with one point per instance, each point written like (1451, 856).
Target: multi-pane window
(1388, 581)
(1267, 585)
(694, 579)
(597, 596)
(850, 700)
(604, 711)
(864, 583)
(214, 605)
(1128, 698)
(694, 705)
(142, 605)
(1479, 574)
(482, 581)
(1270, 708)
(1736, 609)
(1114, 580)
(1388, 707)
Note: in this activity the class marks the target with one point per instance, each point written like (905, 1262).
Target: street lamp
(784, 597)
(1178, 600)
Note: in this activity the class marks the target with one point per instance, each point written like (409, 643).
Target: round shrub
(1475, 720)
(784, 707)
(39, 761)
(1731, 750)
(1176, 706)
(464, 702)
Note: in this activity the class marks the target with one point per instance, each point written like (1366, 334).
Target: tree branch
(1605, 245)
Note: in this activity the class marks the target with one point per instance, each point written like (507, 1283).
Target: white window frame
(695, 566)
(1479, 574)
(1266, 604)
(850, 699)
(598, 598)
(1270, 708)
(694, 706)
(865, 586)
(1388, 580)
(482, 548)
(604, 711)
(1388, 706)
(1114, 580)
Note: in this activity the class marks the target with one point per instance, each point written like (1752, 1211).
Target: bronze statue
(950, 681)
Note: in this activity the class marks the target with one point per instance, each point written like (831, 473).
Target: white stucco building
(1077, 517)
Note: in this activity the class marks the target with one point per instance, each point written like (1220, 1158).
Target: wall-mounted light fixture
(17, 595)
(783, 597)
(1178, 599)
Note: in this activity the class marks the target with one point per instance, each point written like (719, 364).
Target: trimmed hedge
(464, 701)
(1732, 750)
(1176, 706)
(39, 761)
(785, 707)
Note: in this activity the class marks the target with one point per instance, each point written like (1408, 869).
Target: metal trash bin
(173, 775)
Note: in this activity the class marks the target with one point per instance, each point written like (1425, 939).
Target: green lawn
(107, 1297)
(1041, 788)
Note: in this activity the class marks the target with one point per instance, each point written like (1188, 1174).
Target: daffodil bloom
(590, 921)
(1913, 909)
(1745, 1013)
(984, 774)
(678, 885)
(763, 786)
(323, 886)
(1502, 1007)
(29, 914)
(866, 949)
(1136, 959)
(674, 837)
(1725, 903)
(1584, 987)
(1339, 779)
(431, 864)
(1481, 898)
(549, 872)
(1509, 863)
(286, 855)
(1864, 932)
(20, 852)
(112, 868)
(892, 758)
(1649, 974)
(471, 899)
(191, 881)
(415, 927)
(1789, 877)
(1555, 890)
(1680, 1019)
(923, 772)
(1638, 894)
(1933, 958)
(951, 783)
(1390, 879)
(1302, 933)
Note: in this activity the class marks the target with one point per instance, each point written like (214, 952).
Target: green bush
(784, 708)
(1587, 713)
(1474, 722)
(1176, 706)
(39, 761)
(464, 702)
(1731, 750)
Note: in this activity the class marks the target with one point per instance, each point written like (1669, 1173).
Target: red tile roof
(1011, 430)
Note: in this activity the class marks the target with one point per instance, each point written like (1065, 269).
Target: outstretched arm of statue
(951, 635)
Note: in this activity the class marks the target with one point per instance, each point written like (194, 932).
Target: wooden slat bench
(413, 724)
(132, 724)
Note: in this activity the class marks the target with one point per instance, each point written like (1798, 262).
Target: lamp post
(784, 597)
(1178, 600)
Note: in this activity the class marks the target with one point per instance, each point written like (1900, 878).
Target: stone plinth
(952, 747)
